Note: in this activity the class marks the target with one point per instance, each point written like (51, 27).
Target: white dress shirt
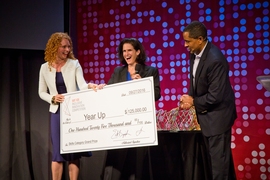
(196, 63)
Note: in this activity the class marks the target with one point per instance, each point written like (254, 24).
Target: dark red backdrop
(239, 28)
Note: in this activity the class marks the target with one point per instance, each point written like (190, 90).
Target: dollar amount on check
(121, 115)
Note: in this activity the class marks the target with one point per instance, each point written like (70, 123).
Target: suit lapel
(198, 71)
(143, 71)
(123, 74)
(192, 57)
(201, 63)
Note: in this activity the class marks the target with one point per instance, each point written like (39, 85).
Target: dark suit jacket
(213, 95)
(120, 75)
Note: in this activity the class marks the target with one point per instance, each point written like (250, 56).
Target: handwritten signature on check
(119, 134)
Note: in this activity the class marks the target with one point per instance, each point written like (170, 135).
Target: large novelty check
(118, 116)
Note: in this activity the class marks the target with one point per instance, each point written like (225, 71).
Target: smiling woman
(58, 49)
(132, 55)
(62, 73)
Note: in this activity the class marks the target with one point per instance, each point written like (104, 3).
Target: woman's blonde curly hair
(52, 47)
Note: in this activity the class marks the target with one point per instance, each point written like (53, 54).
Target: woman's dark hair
(196, 29)
(137, 45)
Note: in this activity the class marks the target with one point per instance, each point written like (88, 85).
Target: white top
(73, 78)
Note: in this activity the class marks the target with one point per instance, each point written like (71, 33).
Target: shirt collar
(200, 54)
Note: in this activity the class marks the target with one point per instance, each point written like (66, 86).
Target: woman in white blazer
(62, 73)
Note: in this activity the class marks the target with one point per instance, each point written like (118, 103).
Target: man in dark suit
(213, 97)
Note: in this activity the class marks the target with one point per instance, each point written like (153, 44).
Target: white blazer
(73, 78)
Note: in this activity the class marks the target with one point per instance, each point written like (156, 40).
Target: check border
(89, 121)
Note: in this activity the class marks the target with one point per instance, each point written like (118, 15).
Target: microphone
(138, 68)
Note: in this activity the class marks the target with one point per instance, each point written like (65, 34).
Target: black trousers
(220, 156)
(130, 161)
